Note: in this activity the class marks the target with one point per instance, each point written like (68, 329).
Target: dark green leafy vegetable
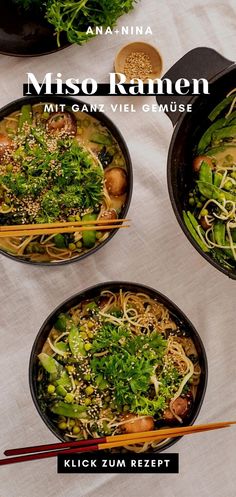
(55, 181)
(75, 16)
(128, 368)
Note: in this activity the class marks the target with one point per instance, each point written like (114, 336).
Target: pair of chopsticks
(62, 227)
(95, 444)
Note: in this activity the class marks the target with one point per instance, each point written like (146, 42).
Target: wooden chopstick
(94, 445)
(93, 448)
(59, 224)
(62, 227)
(162, 433)
(54, 231)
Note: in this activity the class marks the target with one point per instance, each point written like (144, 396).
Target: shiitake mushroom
(116, 181)
(134, 423)
(181, 407)
(62, 121)
(108, 215)
(5, 143)
(197, 162)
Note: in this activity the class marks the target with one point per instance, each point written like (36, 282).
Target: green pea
(89, 390)
(71, 219)
(228, 185)
(69, 398)
(191, 201)
(87, 377)
(51, 389)
(62, 425)
(83, 334)
(76, 430)
(79, 244)
(87, 346)
(87, 401)
(72, 246)
(77, 217)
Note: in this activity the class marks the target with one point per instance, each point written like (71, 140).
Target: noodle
(126, 335)
(34, 149)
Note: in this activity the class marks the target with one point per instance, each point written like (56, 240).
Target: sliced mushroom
(109, 214)
(116, 181)
(62, 122)
(204, 223)
(135, 423)
(181, 407)
(5, 143)
(198, 162)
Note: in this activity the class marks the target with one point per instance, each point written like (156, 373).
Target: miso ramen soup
(58, 166)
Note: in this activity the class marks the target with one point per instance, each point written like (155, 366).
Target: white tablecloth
(154, 251)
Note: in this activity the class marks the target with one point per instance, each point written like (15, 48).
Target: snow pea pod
(49, 363)
(211, 191)
(25, 116)
(219, 234)
(205, 173)
(89, 237)
(207, 136)
(217, 177)
(227, 132)
(231, 117)
(100, 138)
(75, 342)
(215, 150)
(193, 231)
(68, 410)
(55, 369)
(220, 107)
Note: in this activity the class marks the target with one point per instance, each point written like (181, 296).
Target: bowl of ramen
(56, 165)
(201, 167)
(117, 358)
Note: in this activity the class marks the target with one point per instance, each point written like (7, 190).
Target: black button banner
(118, 463)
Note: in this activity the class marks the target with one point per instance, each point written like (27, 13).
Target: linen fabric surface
(154, 251)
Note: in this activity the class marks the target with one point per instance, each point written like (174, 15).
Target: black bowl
(206, 63)
(186, 134)
(14, 106)
(26, 33)
(91, 293)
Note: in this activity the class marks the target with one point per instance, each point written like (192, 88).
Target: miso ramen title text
(117, 86)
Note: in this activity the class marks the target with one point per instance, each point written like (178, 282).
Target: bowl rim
(83, 294)
(121, 142)
(193, 101)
